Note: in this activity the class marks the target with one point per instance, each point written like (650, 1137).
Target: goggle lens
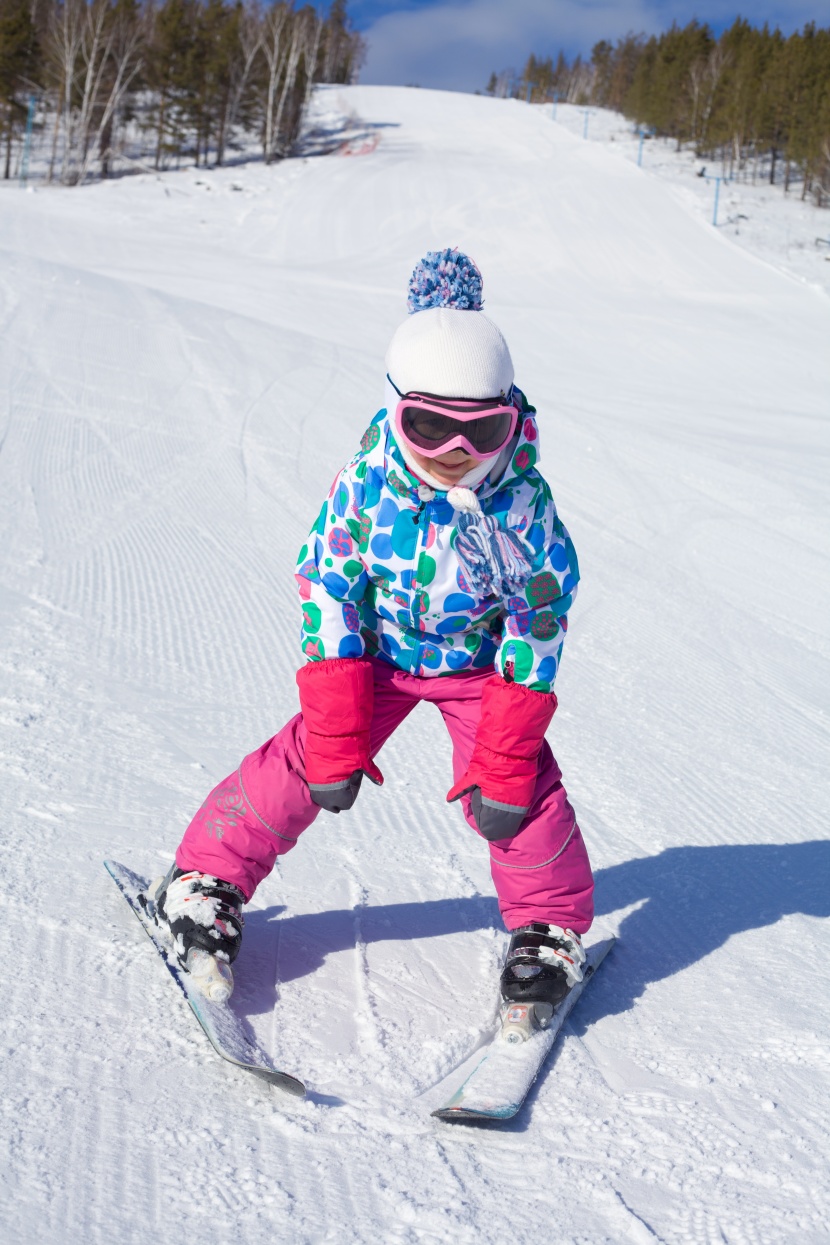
(428, 427)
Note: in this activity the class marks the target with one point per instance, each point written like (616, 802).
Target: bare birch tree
(251, 38)
(111, 55)
(274, 51)
(296, 45)
(64, 40)
(710, 75)
(314, 24)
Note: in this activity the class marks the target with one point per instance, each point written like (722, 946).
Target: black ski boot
(543, 962)
(203, 917)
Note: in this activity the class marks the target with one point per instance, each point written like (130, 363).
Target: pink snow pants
(259, 812)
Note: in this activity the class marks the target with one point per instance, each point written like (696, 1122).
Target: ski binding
(225, 1030)
(499, 1083)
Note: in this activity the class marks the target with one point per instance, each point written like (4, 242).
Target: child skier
(438, 570)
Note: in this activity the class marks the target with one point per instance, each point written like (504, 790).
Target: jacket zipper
(423, 524)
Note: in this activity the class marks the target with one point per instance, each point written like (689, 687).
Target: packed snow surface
(185, 363)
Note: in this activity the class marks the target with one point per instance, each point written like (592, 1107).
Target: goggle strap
(506, 397)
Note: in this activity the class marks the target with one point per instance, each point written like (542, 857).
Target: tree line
(755, 100)
(103, 82)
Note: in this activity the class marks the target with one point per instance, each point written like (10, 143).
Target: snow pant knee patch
(540, 864)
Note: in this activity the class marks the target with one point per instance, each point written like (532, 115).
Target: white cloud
(458, 45)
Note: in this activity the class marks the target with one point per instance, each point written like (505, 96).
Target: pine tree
(19, 70)
(170, 69)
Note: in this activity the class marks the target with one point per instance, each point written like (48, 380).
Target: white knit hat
(449, 347)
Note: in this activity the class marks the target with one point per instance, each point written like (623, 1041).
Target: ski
(499, 1083)
(225, 1030)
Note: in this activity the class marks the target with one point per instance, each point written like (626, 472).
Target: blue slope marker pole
(587, 113)
(644, 133)
(717, 179)
(555, 102)
(27, 142)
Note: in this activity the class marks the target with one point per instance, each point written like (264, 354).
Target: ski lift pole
(27, 142)
(717, 179)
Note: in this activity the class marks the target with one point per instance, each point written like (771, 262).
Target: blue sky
(455, 44)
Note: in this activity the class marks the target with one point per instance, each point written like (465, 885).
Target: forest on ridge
(103, 82)
(95, 87)
(755, 100)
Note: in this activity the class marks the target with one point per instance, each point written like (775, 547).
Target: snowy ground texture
(184, 364)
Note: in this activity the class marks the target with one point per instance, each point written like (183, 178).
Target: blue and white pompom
(445, 279)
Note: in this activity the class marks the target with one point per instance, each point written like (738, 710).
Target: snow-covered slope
(790, 233)
(184, 364)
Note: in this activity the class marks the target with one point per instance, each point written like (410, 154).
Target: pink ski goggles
(431, 425)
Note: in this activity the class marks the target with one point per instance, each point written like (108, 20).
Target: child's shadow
(695, 899)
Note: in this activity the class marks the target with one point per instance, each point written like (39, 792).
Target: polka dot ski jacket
(380, 573)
